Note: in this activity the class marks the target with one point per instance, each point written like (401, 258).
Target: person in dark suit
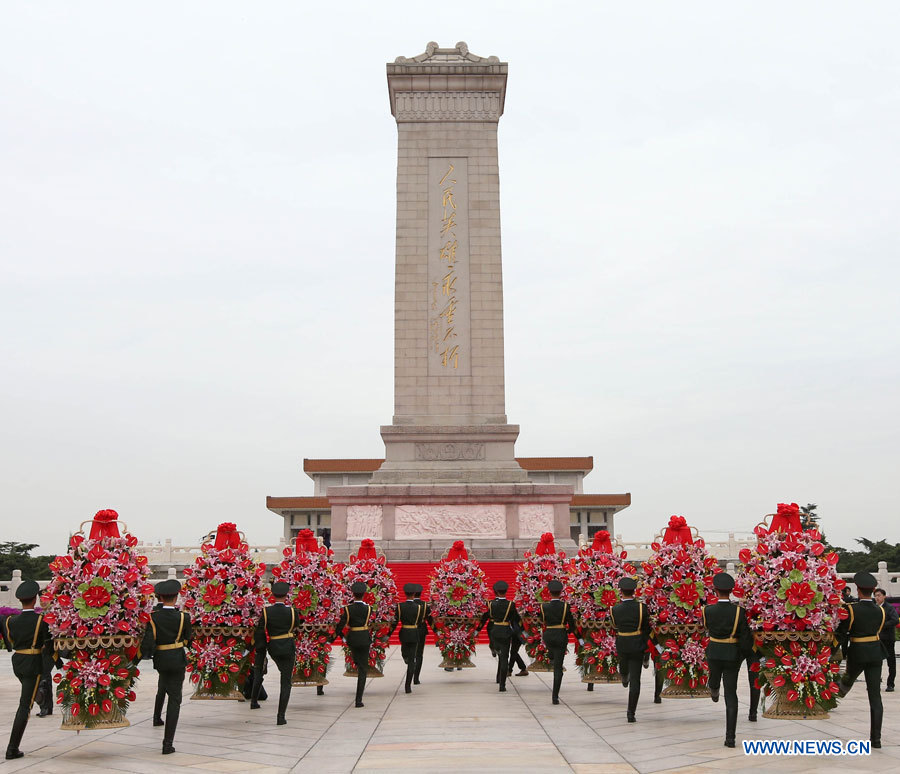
(888, 637)
(356, 618)
(860, 632)
(730, 641)
(167, 635)
(631, 621)
(160, 700)
(557, 619)
(500, 617)
(28, 637)
(275, 635)
(424, 622)
(409, 614)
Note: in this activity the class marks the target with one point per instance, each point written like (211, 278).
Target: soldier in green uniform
(165, 639)
(631, 621)
(356, 617)
(424, 622)
(28, 637)
(860, 631)
(730, 640)
(409, 615)
(500, 617)
(557, 618)
(275, 634)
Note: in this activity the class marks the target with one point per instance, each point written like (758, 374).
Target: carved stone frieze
(364, 521)
(448, 106)
(449, 521)
(430, 452)
(535, 520)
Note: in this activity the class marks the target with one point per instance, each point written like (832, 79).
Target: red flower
(687, 594)
(792, 695)
(214, 594)
(303, 599)
(96, 596)
(608, 598)
(800, 594)
(458, 593)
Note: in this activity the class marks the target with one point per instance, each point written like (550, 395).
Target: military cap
(865, 580)
(280, 588)
(501, 587)
(358, 588)
(627, 584)
(409, 589)
(27, 590)
(554, 587)
(723, 582)
(418, 588)
(167, 588)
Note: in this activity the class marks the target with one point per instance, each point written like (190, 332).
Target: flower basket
(97, 604)
(683, 660)
(224, 596)
(537, 569)
(458, 598)
(596, 659)
(317, 593)
(791, 592)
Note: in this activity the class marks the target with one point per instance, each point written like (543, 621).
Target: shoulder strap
(180, 627)
(37, 628)
(368, 615)
(420, 610)
(852, 616)
(883, 616)
(737, 613)
(266, 618)
(293, 618)
(705, 625)
(565, 611)
(8, 635)
(508, 608)
(640, 615)
(543, 617)
(153, 626)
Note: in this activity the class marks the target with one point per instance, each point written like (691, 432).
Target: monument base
(418, 522)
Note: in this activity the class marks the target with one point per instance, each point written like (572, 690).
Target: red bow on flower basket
(367, 550)
(678, 531)
(104, 525)
(457, 551)
(545, 545)
(602, 542)
(787, 519)
(306, 541)
(227, 536)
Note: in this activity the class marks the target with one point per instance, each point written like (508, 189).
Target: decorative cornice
(447, 106)
(458, 55)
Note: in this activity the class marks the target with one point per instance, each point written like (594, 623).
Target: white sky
(700, 244)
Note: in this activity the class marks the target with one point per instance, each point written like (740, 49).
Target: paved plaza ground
(453, 722)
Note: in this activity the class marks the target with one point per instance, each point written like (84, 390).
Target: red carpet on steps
(418, 572)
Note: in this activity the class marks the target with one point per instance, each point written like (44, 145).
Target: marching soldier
(356, 617)
(557, 617)
(729, 642)
(275, 634)
(409, 614)
(860, 632)
(424, 622)
(165, 638)
(500, 617)
(632, 624)
(28, 637)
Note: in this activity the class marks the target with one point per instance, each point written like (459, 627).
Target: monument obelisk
(450, 469)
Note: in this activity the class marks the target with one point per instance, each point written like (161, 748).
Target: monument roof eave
(617, 501)
(362, 465)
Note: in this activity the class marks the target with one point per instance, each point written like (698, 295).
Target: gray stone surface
(454, 721)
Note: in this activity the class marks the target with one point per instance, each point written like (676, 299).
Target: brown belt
(366, 628)
(724, 640)
(171, 646)
(281, 636)
(29, 652)
(555, 626)
(628, 634)
(873, 638)
(506, 623)
(411, 626)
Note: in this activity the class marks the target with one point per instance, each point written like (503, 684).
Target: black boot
(320, 690)
(15, 737)
(168, 747)
(157, 709)
(283, 699)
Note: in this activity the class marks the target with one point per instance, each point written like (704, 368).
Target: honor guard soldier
(632, 624)
(730, 641)
(28, 637)
(165, 639)
(424, 622)
(557, 617)
(860, 631)
(275, 634)
(409, 614)
(888, 636)
(501, 617)
(356, 617)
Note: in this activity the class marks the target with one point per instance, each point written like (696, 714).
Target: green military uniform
(357, 618)
(730, 640)
(424, 622)
(166, 637)
(631, 621)
(860, 633)
(275, 634)
(501, 617)
(557, 618)
(409, 617)
(28, 637)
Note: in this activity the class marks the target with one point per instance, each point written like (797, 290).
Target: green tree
(17, 556)
(875, 551)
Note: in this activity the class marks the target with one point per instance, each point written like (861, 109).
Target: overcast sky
(700, 245)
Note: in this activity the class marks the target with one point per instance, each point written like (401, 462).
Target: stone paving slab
(454, 721)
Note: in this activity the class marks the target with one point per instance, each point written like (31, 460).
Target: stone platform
(455, 721)
(485, 550)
